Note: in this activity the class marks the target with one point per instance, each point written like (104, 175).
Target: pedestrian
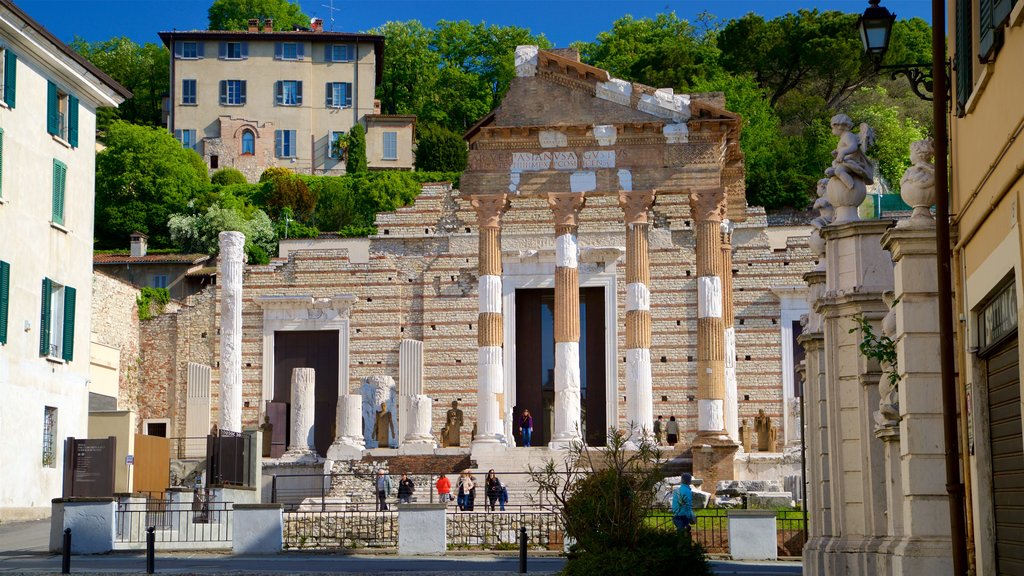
(467, 492)
(672, 431)
(383, 487)
(405, 489)
(682, 507)
(503, 499)
(444, 489)
(492, 487)
(658, 430)
(526, 427)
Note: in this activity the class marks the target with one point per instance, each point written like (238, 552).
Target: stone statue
(450, 434)
(888, 414)
(851, 170)
(267, 429)
(746, 436)
(917, 187)
(763, 427)
(383, 427)
(374, 391)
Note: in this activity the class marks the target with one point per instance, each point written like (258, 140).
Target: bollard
(522, 550)
(150, 550)
(65, 561)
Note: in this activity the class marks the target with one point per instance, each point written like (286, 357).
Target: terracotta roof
(202, 271)
(110, 259)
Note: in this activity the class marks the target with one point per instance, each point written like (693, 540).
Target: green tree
(141, 69)
(200, 232)
(356, 161)
(439, 149)
(291, 194)
(142, 177)
(410, 68)
(235, 14)
(228, 176)
(893, 134)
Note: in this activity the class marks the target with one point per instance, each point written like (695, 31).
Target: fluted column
(566, 207)
(232, 263)
(732, 425)
(639, 395)
(490, 371)
(708, 208)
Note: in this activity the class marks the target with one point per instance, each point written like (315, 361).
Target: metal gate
(1007, 457)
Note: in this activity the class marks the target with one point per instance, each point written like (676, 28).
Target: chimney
(254, 24)
(138, 244)
(268, 25)
(376, 106)
(317, 24)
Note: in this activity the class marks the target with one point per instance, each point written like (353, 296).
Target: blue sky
(562, 21)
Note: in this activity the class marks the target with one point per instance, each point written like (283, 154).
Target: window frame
(331, 137)
(241, 51)
(235, 88)
(252, 136)
(8, 76)
(332, 49)
(159, 281)
(49, 443)
(57, 321)
(394, 145)
(59, 185)
(188, 138)
(336, 91)
(288, 93)
(194, 52)
(285, 143)
(188, 99)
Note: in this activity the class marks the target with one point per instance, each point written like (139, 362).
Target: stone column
(303, 411)
(229, 278)
(566, 207)
(348, 437)
(887, 430)
(707, 208)
(925, 545)
(490, 334)
(732, 416)
(639, 395)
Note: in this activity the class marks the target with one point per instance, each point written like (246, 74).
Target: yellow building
(260, 98)
(986, 187)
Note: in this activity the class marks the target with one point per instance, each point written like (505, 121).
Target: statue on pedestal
(452, 426)
(746, 436)
(851, 171)
(383, 427)
(763, 427)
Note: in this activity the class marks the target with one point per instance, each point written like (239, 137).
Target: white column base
(732, 408)
(710, 416)
(639, 395)
(568, 425)
(490, 382)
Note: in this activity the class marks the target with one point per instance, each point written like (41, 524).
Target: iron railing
(175, 522)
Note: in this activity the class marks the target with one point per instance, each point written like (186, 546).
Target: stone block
(257, 528)
(91, 521)
(769, 500)
(422, 530)
(752, 535)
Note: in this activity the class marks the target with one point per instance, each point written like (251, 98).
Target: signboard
(89, 467)
(129, 459)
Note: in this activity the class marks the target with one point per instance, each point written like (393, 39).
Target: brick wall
(115, 323)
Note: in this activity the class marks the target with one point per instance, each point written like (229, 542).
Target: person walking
(658, 430)
(444, 489)
(467, 492)
(492, 488)
(672, 431)
(682, 507)
(405, 489)
(383, 487)
(526, 427)
(503, 498)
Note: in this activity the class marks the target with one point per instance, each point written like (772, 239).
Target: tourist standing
(658, 430)
(492, 487)
(682, 506)
(405, 489)
(526, 427)
(467, 492)
(383, 487)
(444, 489)
(672, 431)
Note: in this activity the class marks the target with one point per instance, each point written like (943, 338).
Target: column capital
(489, 208)
(635, 205)
(566, 207)
(726, 227)
(708, 205)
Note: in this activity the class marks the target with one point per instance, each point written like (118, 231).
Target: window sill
(389, 159)
(61, 141)
(189, 104)
(979, 87)
(339, 107)
(55, 360)
(4, 105)
(231, 105)
(59, 227)
(1017, 15)
(279, 105)
(240, 58)
(3, 201)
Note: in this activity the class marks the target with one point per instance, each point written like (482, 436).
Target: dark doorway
(535, 363)
(316, 349)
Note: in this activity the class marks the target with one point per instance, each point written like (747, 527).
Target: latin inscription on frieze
(527, 162)
(599, 159)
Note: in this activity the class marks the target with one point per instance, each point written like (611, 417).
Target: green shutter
(1, 162)
(44, 320)
(52, 109)
(73, 121)
(10, 77)
(964, 55)
(5, 296)
(986, 32)
(59, 182)
(67, 348)
(1001, 11)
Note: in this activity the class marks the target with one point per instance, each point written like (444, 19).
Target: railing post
(150, 549)
(65, 562)
(273, 489)
(522, 549)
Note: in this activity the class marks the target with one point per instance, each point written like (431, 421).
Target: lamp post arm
(922, 83)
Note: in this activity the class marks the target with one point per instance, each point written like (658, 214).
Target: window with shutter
(391, 145)
(73, 121)
(60, 171)
(67, 348)
(232, 92)
(284, 143)
(964, 55)
(9, 77)
(188, 92)
(44, 318)
(5, 296)
(986, 31)
(1, 162)
(57, 321)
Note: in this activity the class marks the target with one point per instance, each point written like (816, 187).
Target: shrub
(228, 176)
(150, 297)
(273, 172)
(440, 149)
(657, 553)
(356, 162)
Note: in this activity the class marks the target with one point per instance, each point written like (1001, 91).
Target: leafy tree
(410, 67)
(356, 161)
(290, 195)
(141, 69)
(235, 14)
(894, 133)
(440, 149)
(142, 177)
(228, 176)
(273, 172)
(200, 232)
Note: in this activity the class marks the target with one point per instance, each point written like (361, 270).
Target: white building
(47, 178)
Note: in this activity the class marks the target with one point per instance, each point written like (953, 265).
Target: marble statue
(377, 390)
(763, 427)
(888, 414)
(917, 187)
(851, 171)
(453, 420)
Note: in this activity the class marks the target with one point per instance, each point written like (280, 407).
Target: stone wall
(115, 323)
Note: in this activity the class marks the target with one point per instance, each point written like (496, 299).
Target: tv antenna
(332, 11)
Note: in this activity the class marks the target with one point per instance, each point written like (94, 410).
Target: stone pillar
(924, 547)
(732, 407)
(348, 440)
(303, 410)
(229, 278)
(566, 207)
(490, 334)
(707, 208)
(410, 381)
(420, 438)
(639, 394)
(858, 272)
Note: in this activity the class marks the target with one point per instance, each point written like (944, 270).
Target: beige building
(50, 95)
(987, 190)
(259, 98)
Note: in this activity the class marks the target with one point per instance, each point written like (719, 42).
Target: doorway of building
(535, 363)
(316, 349)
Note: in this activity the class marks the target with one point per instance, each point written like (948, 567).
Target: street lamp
(875, 30)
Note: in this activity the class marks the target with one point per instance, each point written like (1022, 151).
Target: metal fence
(175, 522)
(342, 529)
(712, 529)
